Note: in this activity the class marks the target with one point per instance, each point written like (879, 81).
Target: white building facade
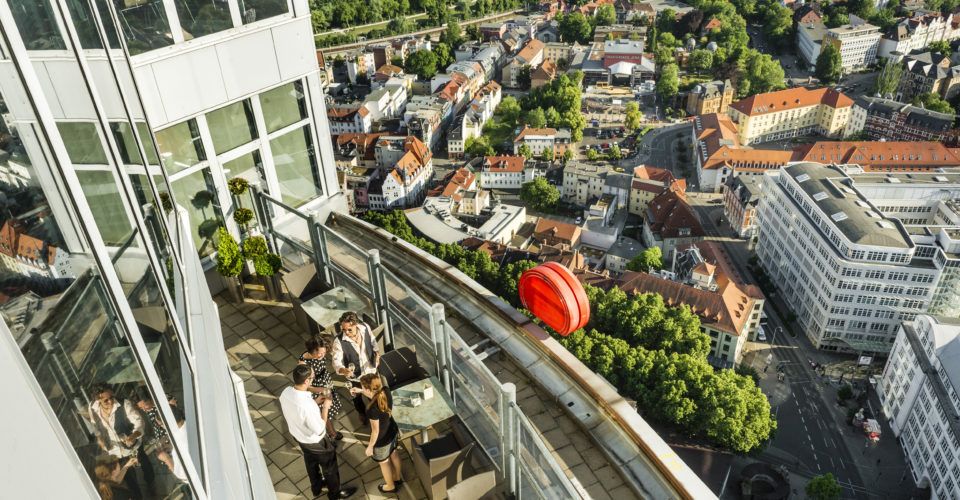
(920, 394)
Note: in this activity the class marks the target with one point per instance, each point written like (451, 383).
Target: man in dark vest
(119, 428)
(355, 354)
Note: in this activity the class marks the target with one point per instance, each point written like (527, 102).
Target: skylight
(803, 177)
(819, 196)
(839, 216)
(884, 224)
(862, 204)
(872, 214)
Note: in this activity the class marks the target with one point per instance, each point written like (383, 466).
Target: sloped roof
(653, 173)
(503, 163)
(560, 230)
(714, 131)
(669, 212)
(530, 50)
(880, 155)
(749, 160)
(795, 98)
(534, 131)
(571, 259)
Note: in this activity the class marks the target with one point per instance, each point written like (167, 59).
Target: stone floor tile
(296, 471)
(569, 457)
(286, 489)
(276, 475)
(272, 440)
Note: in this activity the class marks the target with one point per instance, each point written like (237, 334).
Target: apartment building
(669, 221)
(541, 139)
(710, 97)
(502, 172)
(920, 394)
(719, 156)
(928, 72)
(855, 253)
(857, 44)
(788, 113)
(554, 51)
(530, 55)
(359, 62)
(740, 200)
(889, 120)
(350, 119)
(649, 182)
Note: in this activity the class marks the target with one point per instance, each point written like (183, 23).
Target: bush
(267, 264)
(229, 258)
(243, 216)
(254, 246)
(845, 392)
(748, 371)
(238, 186)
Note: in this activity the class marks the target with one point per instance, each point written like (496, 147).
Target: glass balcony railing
(487, 407)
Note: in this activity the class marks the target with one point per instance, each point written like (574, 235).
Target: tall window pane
(37, 26)
(255, 10)
(83, 143)
(128, 146)
(202, 17)
(103, 195)
(296, 167)
(144, 24)
(283, 106)
(196, 192)
(86, 26)
(232, 126)
(180, 146)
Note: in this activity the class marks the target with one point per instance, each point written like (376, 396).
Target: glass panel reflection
(201, 17)
(103, 194)
(255, 10)
(180, 146)
(128, 146)
(144, 24)
(83, 143)
(296, 167)
(86, 26)
(232, 126)
(283, 106)
(37, 25)
(196, 192)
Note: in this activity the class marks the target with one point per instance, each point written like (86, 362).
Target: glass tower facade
(114, 166)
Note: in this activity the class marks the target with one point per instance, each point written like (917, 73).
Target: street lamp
(774, 338)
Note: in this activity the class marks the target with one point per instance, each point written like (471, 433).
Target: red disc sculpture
(553, 294)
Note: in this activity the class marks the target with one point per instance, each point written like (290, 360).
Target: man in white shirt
(119, 429)
(355, 346)
(306, 425)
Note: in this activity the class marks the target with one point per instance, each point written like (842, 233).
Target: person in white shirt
(119, 429)
(306, 425)
(355, 354)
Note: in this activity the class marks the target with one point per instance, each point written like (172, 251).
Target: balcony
(546, 425)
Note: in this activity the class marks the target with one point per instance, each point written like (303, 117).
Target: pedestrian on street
(305, 423)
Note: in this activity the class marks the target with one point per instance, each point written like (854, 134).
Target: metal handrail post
(263, 216)
(437, 320)
(506, 402)
(378, 285)
(321, 254)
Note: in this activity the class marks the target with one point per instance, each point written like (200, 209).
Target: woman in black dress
(314, 357)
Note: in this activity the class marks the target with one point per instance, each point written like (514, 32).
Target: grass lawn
(497, 133)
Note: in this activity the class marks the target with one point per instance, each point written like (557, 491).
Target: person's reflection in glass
(110, 478)
(119, 430)
(158, 439)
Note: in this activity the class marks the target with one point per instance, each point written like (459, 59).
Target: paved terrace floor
(263, 342)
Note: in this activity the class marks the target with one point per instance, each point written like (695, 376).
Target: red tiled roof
(747, 159)
(531, 49)
(880, 156)
(715, 131)
(503, 163)
(711, 24)
(534, 131)
(562, 231)
(453, 182)
(799, 97)
(669, 212)
(653, 173)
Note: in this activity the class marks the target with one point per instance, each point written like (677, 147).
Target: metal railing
(486, 406)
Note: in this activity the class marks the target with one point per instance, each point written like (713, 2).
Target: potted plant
(229, 263)
(254, 247)
(243, 216)
(238, 186)
(267, 267)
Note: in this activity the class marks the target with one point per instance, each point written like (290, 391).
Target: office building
(789, 113)
(857, 44)
(920, 394)
(854, 253)
(810, 41)
(889, 120)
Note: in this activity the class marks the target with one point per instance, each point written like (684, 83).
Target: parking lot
(602, 144)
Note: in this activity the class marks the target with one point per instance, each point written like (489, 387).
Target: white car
(761, 335)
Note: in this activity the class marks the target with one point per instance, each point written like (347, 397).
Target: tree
(397, 60)
(932, 101)
(574, 28)
(845, 392)
(829, 66)
(523, 78)
(525, 151)
(552, 117)
(422, 63)
(605, 15)
(940, 47)
(823, 487)
(592, 155)
(509, 110)
(664, 55)
(536, 118)
(567, 155)
(701, 60)
(442, 51)
(547, 154)
(778, 24)
(836, 19)
(614, 153)
(539, 194)
(691, 21)
(452, 36)
(473, 31)
(667, 40)
(669, 82)
(632, 119)
(562, 63)
(667, 21)
(760, 74)
(888, 78)
(643, 261)
(477, 147)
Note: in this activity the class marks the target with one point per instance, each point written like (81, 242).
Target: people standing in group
(110, 478)
(302, 412)
(355, 354)
(157, 437)
(384, 433)
(119, 430)
(314, 357)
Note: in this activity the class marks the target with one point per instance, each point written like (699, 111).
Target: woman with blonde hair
(384, 432)
(110, 475)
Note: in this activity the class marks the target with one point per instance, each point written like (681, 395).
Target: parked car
(761, 335)
(606, 145)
